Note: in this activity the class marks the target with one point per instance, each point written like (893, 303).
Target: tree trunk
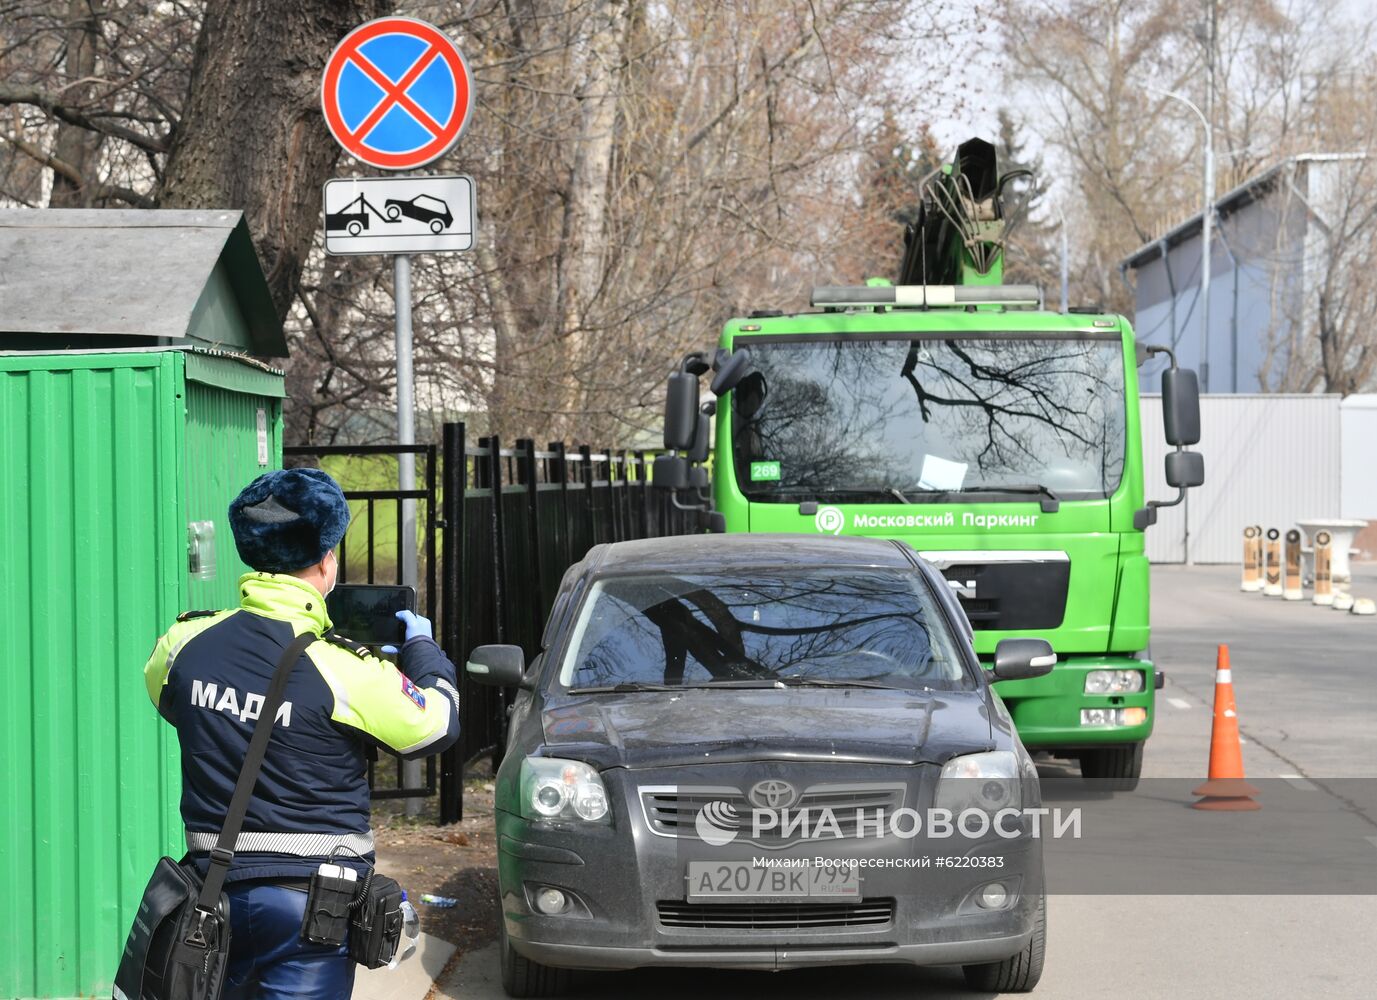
(581, 255)
(252, 135)
(74, 147)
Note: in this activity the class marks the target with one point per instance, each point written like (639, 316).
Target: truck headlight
(1114, 681)
(562, 789)
(985, 781)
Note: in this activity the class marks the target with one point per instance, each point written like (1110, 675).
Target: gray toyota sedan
(763, 752)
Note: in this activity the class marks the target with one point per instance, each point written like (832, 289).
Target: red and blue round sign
(396, 93)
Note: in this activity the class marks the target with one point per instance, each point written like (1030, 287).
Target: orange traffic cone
(1225, 791)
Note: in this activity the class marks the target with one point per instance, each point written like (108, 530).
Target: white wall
(1358, 471)
(1269, 460)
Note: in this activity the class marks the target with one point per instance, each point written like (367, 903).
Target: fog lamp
(994, 896)
(1135, 716)
(550, 901)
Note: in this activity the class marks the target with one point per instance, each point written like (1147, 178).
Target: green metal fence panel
(86, 544)
(105, 459)
(231, 437)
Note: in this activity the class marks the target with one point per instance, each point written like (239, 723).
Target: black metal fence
(497, 528)
(527, 514)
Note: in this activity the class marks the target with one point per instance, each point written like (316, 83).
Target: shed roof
(180, 278)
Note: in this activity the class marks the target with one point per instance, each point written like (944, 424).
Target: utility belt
(341, 904)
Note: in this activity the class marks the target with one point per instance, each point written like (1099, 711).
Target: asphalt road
(1306, 684)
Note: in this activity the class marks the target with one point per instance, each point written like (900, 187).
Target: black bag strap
(223, 852)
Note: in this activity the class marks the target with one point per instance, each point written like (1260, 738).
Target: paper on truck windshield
(941, 474)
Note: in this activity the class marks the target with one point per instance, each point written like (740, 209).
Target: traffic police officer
(208, 675)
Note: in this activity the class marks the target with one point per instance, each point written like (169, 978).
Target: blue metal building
(1269, 248)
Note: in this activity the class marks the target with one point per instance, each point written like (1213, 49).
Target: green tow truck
(1001, 440)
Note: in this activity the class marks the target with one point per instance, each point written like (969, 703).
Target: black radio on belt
(329, 901)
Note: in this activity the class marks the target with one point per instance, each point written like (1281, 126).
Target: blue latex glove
(416, 628)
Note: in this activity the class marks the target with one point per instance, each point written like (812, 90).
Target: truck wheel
(1017, 973)
(1114, 768)
(523, 978)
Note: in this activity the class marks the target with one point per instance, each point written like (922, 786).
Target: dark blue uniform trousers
(269, 959)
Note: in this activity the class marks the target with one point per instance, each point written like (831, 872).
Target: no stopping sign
(396, 93)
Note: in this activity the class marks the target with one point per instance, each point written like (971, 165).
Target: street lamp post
(1206, 233)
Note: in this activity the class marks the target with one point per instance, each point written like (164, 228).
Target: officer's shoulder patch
(186, 616)
(357, 648)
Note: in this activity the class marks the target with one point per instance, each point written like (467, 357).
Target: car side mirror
(1019, 659)
(497, 666)
(1185, 469)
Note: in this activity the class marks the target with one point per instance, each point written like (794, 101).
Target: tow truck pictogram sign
(396, 93)
(414, 214)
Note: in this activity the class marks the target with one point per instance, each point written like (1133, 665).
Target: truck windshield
(770, 628)
(926, 419)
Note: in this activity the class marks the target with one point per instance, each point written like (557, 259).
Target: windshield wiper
(625, 687)
(868, 492)
(826, 682)
(1051, 503)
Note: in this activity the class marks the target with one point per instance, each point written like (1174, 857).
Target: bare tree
(644, 171)
(139, 116)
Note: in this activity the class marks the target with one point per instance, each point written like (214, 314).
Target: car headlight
(1113, 681)
(985, 781)
(562, 789)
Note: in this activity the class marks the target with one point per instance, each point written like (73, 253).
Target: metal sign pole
(406, 462)
(406, 413)
(399, 215)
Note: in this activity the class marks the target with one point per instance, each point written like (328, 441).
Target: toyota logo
(772, 794)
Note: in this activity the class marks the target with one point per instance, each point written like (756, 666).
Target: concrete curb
(410, 980)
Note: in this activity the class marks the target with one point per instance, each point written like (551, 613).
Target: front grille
(672, 810)
(775, 916)
(1011, 595)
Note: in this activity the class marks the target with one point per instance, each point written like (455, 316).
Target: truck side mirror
(702, 436)
(731, 371)
(670, 472)
(1180, 406)
(681, 411)
(1180, 426)
(497, 666)
(1185, 469)
(1018, 659)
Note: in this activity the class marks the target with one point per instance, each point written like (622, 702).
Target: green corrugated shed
(109, 456)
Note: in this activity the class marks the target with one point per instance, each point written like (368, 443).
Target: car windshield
(923, 419)
(820, 627)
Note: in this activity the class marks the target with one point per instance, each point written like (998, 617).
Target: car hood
(652, 729)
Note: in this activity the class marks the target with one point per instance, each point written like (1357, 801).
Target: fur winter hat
(288, 519)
